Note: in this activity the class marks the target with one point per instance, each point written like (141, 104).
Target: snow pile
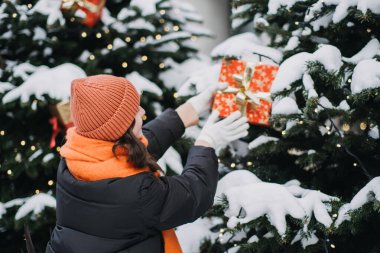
(147, 7)
(274, 5)
(342, 9)
(366, 75)
(261, 140)
(171, 159)
(143, 84)
(50, 8)
(239, 45)
(361, 198)
(249, 199)
(293, 68)
(191, 235)
(5, 87)
(35, 204)
(54, 82)
(368, 52)
(285, 106)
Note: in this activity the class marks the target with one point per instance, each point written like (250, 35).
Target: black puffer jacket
(128, 214)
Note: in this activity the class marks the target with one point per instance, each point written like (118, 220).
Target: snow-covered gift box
(248, 91)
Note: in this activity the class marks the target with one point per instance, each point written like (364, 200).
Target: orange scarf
(90, 160)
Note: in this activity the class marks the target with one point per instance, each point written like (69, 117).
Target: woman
(110, 195)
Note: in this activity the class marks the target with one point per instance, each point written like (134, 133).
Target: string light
(92, 57)
(316, 110)
(9, 172)
(98, 35)
(283, 132)
(332, 246)
(58, 149)
(83, 34)
(363, 126)
(161, 65)
(50, 182)
(335, 215)
(124, 64)
(369, 30)
(296, 23)
(355, 164)
(128, 39)
(106, 30)
(175, 95)
(2, 132)
(142, 39)
(144, 117)
(338, 145)
(30, 6)
(233, 165)
(14, 15)
(348, 97)
(72, 19)
(349, 80)
(161, 20)
(22, 143)
(175, 28)
(33, 147)
(166, 28)
(249, 163)
(346, 127)
(37, 191)
(300, 122)
(109, 46)
(144, 58)
(162, 12)
(158, 37)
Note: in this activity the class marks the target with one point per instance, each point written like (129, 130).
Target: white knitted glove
(202, 101)
(220, 133)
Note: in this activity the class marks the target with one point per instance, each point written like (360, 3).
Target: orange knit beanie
(103, 106)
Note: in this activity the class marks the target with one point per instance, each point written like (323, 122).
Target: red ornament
(92, 9)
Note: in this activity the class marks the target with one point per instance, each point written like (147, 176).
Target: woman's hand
(202, 101)
(219, 134)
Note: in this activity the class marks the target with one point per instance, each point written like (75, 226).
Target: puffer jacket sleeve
(168, 202)
(162, 132)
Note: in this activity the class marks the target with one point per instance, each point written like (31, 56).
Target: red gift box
(248, 91)
(92, 8)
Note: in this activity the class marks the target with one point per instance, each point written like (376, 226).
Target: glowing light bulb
(109, 46)
(37, 191)
(9, 172)
(338, 145)
(83, 34)
(2, 132)
(363, 126)
(33, 147)
(142, 39)
(233, 165)
(158, 37)
(22, 143)
(355, 164)
(144, 58)
(58, 149)
(50, 182)
(14, 15)
(161, 65)
(98, 35)
(176, 28)
(124, 64)
(128, 39)
(249, 163)
(346, 127)
(92, 57)
(162, 12)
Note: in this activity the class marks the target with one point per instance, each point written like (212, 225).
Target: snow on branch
(54, 82)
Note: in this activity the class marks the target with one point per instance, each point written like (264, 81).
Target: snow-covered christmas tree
(44, 44)
(309, 181)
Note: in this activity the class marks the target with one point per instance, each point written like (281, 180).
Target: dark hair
(136, 151)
